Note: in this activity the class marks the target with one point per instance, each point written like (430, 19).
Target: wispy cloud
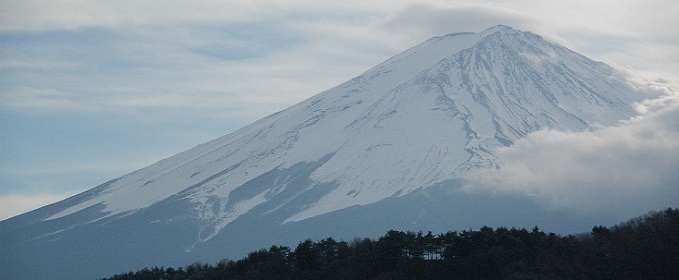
(250, 69)
(282, 52)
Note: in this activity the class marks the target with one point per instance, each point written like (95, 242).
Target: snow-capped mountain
(384, 150)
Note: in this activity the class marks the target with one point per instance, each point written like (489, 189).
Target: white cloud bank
(622, 170)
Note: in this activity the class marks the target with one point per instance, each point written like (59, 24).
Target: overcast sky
(92, 90)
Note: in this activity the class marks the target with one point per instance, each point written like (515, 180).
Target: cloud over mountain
(618, 170)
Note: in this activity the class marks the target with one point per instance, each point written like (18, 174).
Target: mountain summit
(384, 150)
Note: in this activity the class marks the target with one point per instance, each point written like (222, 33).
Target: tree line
(646, 247)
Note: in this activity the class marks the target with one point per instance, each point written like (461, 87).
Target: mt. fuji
(388, 149)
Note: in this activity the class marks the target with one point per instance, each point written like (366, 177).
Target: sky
(93, 90)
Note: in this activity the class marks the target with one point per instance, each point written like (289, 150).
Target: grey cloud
(424, 20)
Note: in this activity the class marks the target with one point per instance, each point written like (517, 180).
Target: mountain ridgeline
(385, 150)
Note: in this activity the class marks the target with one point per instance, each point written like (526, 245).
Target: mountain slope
(382, 142)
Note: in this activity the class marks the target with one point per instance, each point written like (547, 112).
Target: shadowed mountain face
(385, 150)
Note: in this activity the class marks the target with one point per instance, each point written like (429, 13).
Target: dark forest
(646, 247)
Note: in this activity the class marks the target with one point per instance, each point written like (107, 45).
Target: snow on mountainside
(418, 119)
(384, 150)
